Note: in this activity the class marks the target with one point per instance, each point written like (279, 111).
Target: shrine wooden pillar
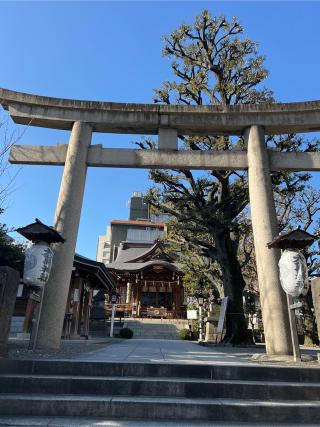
(85, 314)
(76, 297)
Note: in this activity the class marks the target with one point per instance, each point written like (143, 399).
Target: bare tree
(8, 138)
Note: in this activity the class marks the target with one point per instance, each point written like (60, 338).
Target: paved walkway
(166, 351)
(82, 422)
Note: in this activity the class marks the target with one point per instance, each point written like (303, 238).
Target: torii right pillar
(265, 228)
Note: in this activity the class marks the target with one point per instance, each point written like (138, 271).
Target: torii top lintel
(146, 119)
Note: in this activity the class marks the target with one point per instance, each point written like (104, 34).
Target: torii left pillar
(66, 221)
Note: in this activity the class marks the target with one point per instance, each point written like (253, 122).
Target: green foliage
(185, 334)
(214, 63)
(11, 254)
(126, 333)
(308, 321)
(201, 274)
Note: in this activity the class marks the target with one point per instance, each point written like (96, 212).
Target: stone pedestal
(265, 229)
(211, 323)
(210, 335)
(9, 282)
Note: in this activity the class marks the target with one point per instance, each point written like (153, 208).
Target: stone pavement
(157, 351)
(82, 422)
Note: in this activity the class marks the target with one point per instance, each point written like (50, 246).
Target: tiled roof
(139, 266)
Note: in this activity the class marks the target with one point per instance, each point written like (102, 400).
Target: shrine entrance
(149, 284)
(83, 118)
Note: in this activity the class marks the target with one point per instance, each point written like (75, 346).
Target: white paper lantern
(37, 265)
(293, 272)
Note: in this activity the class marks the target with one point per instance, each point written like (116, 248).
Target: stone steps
(169, 387)
(117, 407)
(237, 372)
(155, 328)
(16, 325)
(147, 391)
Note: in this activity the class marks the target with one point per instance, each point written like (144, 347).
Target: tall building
(141, 227)
(139, 207)
(104, 246)
(133, 232)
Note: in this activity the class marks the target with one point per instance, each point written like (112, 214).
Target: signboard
(76, 295)
(192, 300)
(215, 313)
(192, 314)
(113, 298)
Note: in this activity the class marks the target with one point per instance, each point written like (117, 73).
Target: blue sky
(111, 51)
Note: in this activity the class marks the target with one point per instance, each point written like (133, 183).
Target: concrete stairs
(165, 329)
(16, 326)
(160, 392)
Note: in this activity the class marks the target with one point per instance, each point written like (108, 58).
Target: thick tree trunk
(309, 322)
(236, 324)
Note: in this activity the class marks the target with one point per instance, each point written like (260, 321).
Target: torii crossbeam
(85, 117)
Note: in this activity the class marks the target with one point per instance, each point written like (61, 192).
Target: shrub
(126, 333)
(184, 334)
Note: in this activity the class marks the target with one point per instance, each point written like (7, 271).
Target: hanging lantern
(292, 264)
(38, 263)
(38, 259)
(293, 272)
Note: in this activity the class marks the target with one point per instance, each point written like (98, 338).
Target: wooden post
(27, 323)
(76, 292)
(293, 329)
(86, 312)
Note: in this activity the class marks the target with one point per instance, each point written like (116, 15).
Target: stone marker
(315, 289)
(9, 282)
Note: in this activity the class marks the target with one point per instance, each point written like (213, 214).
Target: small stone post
(9, 282)
(66, 222)
(265, 228)
(315, 289)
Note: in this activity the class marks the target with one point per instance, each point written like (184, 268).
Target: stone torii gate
(85, 117)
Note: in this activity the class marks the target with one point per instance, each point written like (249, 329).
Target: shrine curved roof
(128, 255)
(140, 266)
(136, 257)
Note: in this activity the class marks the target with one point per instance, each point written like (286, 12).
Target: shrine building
(148, 282)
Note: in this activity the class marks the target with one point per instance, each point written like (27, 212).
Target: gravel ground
(18, 349)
